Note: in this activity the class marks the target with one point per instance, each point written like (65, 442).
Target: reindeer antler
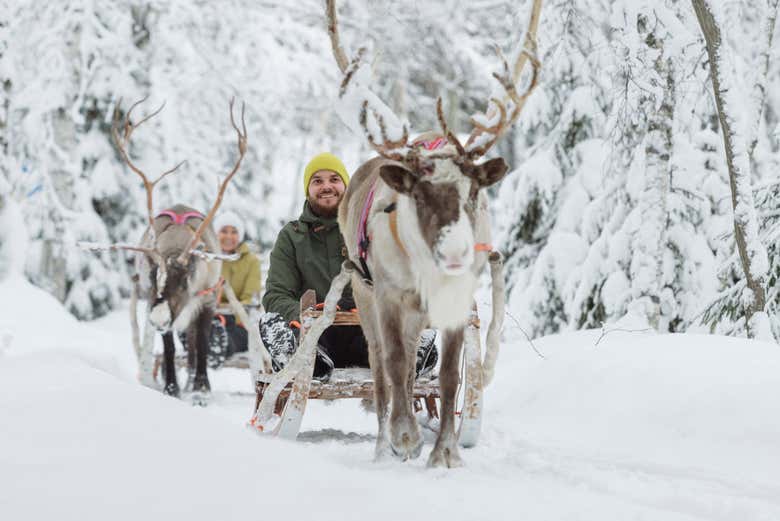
(94, 246)
(122, 141)
(388, 145)
(484, 136)
(242, 146)
(396, 149)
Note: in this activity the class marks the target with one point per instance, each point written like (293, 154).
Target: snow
(626, 426)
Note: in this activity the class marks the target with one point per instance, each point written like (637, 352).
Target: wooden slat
(350, 389)
(343, 318)
(236, 362)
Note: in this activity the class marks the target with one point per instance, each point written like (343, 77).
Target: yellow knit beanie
(324, 161)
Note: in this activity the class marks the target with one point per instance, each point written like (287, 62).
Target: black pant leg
(238, 336)
(345, 345)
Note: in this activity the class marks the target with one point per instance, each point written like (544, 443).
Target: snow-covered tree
(737, 143)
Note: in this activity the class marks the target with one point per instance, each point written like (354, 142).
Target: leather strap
(394, 225)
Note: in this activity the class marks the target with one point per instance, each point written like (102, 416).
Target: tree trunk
(750, 248)
(647, 276)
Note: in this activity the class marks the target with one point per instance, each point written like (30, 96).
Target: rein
(215, 288)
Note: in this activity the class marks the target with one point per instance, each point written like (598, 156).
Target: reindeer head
(445, 191)
(180, 284)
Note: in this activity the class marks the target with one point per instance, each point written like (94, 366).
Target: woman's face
(228, 239)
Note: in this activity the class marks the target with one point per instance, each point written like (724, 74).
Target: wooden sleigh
(281, 398)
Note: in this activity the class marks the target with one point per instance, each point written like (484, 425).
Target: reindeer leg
(445, 452)
(199, 341)
(383, 449)
(169, 365)
(381, 390)
(368, 322)
(405, 438)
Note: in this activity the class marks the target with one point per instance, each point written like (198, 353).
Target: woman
(243, 275)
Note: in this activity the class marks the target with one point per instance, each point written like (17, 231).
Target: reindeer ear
(489, 172)
(398, 177)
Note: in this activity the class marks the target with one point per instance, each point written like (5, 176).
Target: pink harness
(433, 144)
(180, 218)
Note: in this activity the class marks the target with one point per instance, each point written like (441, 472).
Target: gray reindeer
(178, 264)
(415, 218)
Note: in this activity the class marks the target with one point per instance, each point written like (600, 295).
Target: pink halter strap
(433, 144)
(180, 218)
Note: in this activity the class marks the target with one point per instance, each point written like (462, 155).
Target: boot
(218, 344)
(281, 341)
(427, 354)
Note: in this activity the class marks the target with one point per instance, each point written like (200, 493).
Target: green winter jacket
(243, 275)
(307, 255)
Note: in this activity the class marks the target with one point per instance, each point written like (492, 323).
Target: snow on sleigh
(281, 397)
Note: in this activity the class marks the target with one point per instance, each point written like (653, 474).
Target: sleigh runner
(281, 398)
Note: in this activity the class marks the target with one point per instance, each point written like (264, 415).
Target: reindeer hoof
(200, 399)
(172, 389)
(410, 446)
(201, 385)
(445, 457)
(405, 438)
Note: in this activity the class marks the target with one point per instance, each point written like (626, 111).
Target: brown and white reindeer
(178, 263)
(415, 218)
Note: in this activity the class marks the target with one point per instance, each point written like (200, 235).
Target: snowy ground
(678, 427)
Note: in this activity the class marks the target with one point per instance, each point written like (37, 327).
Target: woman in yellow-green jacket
(243, 275)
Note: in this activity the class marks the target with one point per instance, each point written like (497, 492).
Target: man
(307, 255)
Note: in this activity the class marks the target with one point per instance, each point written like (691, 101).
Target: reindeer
(419, 213)
(179, 264)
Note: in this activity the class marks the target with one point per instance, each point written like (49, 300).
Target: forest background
(619, 202)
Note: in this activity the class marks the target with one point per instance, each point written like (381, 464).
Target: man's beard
(322, 211)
